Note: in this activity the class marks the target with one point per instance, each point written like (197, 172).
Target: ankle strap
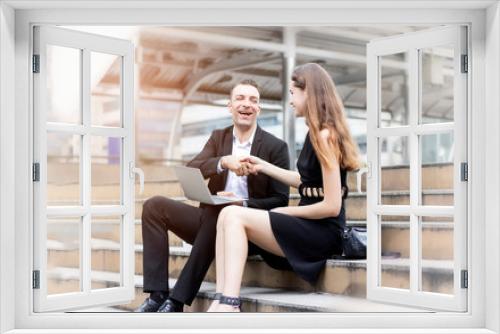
(233, 301)
(217, 296)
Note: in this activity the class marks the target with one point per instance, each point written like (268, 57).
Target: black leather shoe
(149, 305)
(170, 306)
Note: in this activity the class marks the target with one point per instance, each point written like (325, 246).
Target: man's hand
(229, 194)
(253, 164)
(234, 164)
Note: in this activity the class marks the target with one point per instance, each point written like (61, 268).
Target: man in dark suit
(220, 162)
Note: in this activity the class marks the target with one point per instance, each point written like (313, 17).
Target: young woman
(303, 237)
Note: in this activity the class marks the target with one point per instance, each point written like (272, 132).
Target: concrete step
(106, 193)
(109, 194)
(254, 299)
(103, 229)
(162, 181)
(346, 277)
(434, 176)
(257, 299)
(67, 172)
(355, 204)
(437, 236)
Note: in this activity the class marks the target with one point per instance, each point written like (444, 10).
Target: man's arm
(207, 159)
(278, 193)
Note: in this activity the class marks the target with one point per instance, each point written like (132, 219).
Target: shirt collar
(248, 142)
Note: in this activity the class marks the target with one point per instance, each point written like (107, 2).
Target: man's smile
(245, 113)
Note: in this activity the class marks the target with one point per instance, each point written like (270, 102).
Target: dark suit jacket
(264, 192)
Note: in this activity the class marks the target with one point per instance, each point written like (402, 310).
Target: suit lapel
(256, 145)
(257, 141)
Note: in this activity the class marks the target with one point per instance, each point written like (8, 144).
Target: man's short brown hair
(248, 82)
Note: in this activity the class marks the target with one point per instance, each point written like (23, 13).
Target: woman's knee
(220, 221)
(230, 216)
(229, 211)
(221, 218)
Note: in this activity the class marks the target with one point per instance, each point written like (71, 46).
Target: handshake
(242, 166)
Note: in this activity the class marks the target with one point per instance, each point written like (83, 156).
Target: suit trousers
(196, 226)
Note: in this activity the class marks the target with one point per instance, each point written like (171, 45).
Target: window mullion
(86, 171)
(414, 86)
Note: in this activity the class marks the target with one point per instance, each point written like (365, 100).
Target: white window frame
(412, 44)
(16, 18)
(86, 211)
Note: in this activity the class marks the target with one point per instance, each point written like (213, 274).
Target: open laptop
(195, 188)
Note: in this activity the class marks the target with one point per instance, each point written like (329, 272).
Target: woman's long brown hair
(324, 109)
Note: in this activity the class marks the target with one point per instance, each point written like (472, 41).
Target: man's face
(244, 106)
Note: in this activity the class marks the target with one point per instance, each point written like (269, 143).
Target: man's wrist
(223, 161)
(245, 203)
(220, 167)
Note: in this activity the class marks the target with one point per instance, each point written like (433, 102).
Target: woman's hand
(234, 164)
(254, 164)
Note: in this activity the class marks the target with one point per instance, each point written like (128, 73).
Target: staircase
(341, 287)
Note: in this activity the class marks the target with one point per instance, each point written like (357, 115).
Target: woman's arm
(332, 201)
(288, 177)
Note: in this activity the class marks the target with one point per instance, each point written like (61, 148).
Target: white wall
(68, 321)
(7, 286)
(492, 151)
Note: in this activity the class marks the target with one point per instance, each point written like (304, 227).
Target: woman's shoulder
(325, 134)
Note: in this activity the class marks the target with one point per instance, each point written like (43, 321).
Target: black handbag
(354, 242)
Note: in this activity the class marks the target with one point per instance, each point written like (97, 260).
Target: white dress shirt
(234, 183)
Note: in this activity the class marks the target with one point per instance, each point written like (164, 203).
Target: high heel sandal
(231, 301)
(216, 298)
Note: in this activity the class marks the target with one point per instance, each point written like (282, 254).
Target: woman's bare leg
(241, 225)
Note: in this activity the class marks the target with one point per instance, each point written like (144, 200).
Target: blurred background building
(184, 75)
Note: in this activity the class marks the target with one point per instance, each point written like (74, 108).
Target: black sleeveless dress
(307, 243)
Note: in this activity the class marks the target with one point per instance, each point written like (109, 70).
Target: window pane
(436, 93)
(106, 93)
(437, 169)
(393, 108)
(395, 170)
(63, 255)
(106, 170)
(63, 84)
(437, 254)
(395, 251)
(106, 251)
(63, 169)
